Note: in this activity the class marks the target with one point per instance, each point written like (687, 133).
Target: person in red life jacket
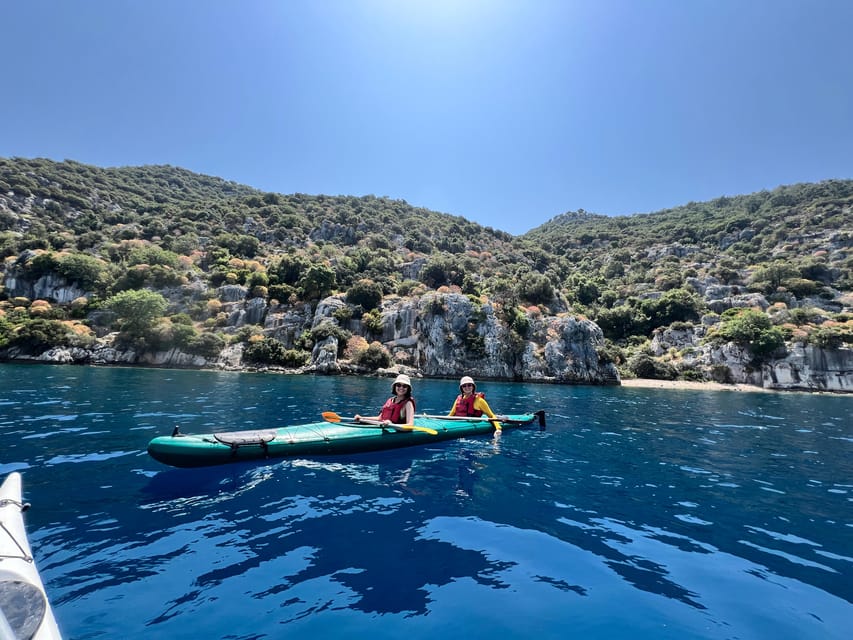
(470, 403)
(399, 408)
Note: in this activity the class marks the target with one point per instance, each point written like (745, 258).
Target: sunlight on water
(635, 514)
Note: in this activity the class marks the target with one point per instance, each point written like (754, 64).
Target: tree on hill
(137, 310)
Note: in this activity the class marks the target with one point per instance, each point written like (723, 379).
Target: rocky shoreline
(347, 369)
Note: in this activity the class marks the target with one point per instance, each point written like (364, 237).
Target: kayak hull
(26, 611)
(314, 439)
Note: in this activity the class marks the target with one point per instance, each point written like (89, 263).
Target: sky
(505, 112)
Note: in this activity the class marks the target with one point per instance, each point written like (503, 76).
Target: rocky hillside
(160, 265)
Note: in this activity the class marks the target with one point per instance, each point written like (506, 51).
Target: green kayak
(336, 436)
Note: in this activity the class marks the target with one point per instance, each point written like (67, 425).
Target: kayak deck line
(331, 437)
(25, 610)
(23, 555)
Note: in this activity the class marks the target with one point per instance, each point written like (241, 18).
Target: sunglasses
(400, 384)
(467, 385)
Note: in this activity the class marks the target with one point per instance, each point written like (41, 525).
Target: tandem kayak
(24, 608)
(340, 436)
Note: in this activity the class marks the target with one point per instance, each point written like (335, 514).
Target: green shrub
(435, 305)
(519, 323)
(86, 271)
(375, 356)
(137, 309)
(40, 334)
(366, 293)
(407, 287)
(181, 318)
(801, 287)
(643, 365)
(621, 322)
(751, 329)
(372, 321)
(325, 330)
(153, 255)
(342, 314)
(41, 265)
(610, 352)
(831, 337)
(281, 292)
(317, 281)
(535, 288)
(6, 331)
(677, 305)
(271, 351)
(208, 345)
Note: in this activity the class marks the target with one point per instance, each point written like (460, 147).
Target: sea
(633, 513)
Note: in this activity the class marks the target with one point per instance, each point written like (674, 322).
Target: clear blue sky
(506, 112)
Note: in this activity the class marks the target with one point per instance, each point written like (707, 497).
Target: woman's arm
(408, 412)
(481, 405)
(485, 408)
(359, 417)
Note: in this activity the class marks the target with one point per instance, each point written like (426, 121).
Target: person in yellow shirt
(469, 403)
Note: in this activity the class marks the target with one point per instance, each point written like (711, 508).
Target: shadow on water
(221, 523)
(373, 528)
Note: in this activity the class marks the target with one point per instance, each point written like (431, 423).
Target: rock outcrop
(450, 335)
(802, 367)
(47, 286)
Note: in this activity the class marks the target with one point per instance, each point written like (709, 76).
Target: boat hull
(26, 611)
(315, 439)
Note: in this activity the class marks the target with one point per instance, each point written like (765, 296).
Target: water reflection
(635, 514)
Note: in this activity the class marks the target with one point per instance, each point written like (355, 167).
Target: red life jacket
(391, 410)
(465, 406)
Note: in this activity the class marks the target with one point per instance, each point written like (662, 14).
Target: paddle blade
(411, 427)
(331, 416)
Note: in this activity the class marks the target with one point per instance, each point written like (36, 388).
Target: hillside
(785, 254)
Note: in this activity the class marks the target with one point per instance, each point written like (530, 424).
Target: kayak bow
(25, 611)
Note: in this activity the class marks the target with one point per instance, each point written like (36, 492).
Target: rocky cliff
(434, 335)
(801, 367)
(450, 334)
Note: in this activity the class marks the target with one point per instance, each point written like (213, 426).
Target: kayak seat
(243, 438)
(23, 604)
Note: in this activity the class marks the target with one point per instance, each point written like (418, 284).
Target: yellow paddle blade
(411, 427)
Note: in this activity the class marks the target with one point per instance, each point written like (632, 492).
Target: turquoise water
(636, 513)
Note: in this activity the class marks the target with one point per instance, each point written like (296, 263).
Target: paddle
(331, 416)
(540, 415)
(495, 421)
(476, 418)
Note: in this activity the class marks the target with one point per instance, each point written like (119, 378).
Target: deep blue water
(637, 513)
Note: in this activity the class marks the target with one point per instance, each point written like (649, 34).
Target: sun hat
(401, 379)
(467, 380)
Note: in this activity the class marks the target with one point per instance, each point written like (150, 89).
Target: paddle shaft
(469, 418)
(540, 415)
(331, 416)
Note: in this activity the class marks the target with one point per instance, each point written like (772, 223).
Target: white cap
(401, 379)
